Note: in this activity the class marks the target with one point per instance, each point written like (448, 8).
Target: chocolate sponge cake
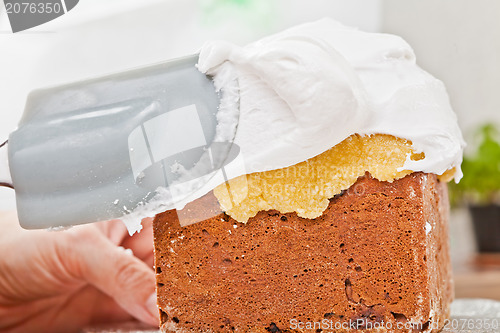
(376, 260)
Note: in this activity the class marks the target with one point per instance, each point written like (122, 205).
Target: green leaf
(481, 181)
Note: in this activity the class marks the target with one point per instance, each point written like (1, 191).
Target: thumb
(119, 274)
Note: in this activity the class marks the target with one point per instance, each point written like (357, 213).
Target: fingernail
(152, 307)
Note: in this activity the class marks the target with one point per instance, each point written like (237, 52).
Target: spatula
(94, 150)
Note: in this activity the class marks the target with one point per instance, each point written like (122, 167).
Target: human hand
(64, 281)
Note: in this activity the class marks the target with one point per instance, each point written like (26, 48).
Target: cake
(378, 255)
(338, 221)
(280, 271)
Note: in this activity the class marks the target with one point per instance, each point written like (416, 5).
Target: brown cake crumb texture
(378, 253)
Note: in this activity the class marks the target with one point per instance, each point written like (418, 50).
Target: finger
(88, 306)
(108, 311)
(149, 260)
(114, 230)
(117, 273)
(142, 243)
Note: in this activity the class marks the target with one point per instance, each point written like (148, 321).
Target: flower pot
(486, 221)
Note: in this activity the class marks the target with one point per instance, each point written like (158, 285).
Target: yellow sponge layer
(306, 187)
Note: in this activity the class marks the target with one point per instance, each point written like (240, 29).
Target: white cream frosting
(306, 89)
(294, 95)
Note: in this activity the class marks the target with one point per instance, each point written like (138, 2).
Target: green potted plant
(479, 189)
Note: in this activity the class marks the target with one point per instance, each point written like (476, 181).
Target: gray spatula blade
(94, 150)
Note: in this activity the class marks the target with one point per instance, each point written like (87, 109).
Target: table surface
(467, 316)
(474, 316)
